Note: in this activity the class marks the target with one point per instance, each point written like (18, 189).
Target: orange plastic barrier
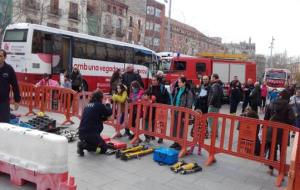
(27, 93)
(225, 126)
(56, 99)
(115, 120)
(294, 172)
(152, 119)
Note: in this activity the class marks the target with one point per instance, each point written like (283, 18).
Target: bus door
(67, 53)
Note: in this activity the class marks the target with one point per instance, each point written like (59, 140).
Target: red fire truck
(194, 67)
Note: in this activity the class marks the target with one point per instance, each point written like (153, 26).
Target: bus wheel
(85, 86)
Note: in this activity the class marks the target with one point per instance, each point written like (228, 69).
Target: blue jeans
(212, 109)
(297, 122)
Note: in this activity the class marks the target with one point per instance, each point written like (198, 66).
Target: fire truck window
(101, 51)
(91, 50)
(200, 67)
(80, 49)
(179, 65)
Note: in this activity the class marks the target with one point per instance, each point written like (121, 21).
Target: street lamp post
(169, 26)
(271, 47)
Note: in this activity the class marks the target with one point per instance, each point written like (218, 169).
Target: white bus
(34, 49)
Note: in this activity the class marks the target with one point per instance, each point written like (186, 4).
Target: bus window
(120, 54)
(91, 50)
(101, 52)
(15, 35)
(142, 57)
(179, 65)
(80, 49)
(42, 42)
(57, 61)
(112, 53)
(200, 67)
(128, 55)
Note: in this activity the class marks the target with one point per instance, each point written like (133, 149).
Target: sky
(238, 20)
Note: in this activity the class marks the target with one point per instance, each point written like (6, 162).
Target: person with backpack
(161, 94)
(214, 98)
(279, 111)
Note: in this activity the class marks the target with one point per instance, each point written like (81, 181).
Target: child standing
(120, 97)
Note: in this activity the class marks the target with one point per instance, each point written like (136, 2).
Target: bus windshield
(15, 35)
(275, 75)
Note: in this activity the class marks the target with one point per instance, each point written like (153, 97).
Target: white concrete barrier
(33, 150)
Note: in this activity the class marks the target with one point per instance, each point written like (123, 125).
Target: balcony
(108, 29)
(31, 5)
(74, 17)
(54, 11)
(120, 32)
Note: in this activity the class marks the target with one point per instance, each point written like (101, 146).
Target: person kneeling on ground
(91, 125)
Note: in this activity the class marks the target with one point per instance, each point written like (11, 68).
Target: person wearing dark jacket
(115, 81)
(76, 79)
(279, 111)
(247, 90)
(91, 125)
(235, 96)
(255, 97)
(201, 102)
(129, 76)
(7, 79)
(183, 98)
(214, 98)
(162, 96)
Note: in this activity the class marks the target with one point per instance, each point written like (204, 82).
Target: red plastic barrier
(152, 119)
(247, 141)
(19, 176)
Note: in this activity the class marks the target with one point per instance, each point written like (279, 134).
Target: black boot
(160, 141)
(80, 148)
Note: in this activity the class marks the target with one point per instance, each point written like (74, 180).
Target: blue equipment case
(166, 156)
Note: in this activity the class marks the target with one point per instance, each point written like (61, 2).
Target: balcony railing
(54, 11)
(31, 5)
(74, 16)
(120, 32)
(108, 29)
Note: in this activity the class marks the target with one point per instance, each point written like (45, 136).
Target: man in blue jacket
(91, 125)
(7, 79)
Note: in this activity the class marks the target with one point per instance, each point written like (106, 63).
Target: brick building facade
(155, 20)
(188, 40)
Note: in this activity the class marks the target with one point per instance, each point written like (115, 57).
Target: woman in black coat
(279, 111)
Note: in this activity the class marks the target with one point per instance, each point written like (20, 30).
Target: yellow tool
(119, 153)
(177, 165)
(190, 168)
(137, 154)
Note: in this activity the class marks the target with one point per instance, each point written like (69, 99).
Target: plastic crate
(25, 125)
